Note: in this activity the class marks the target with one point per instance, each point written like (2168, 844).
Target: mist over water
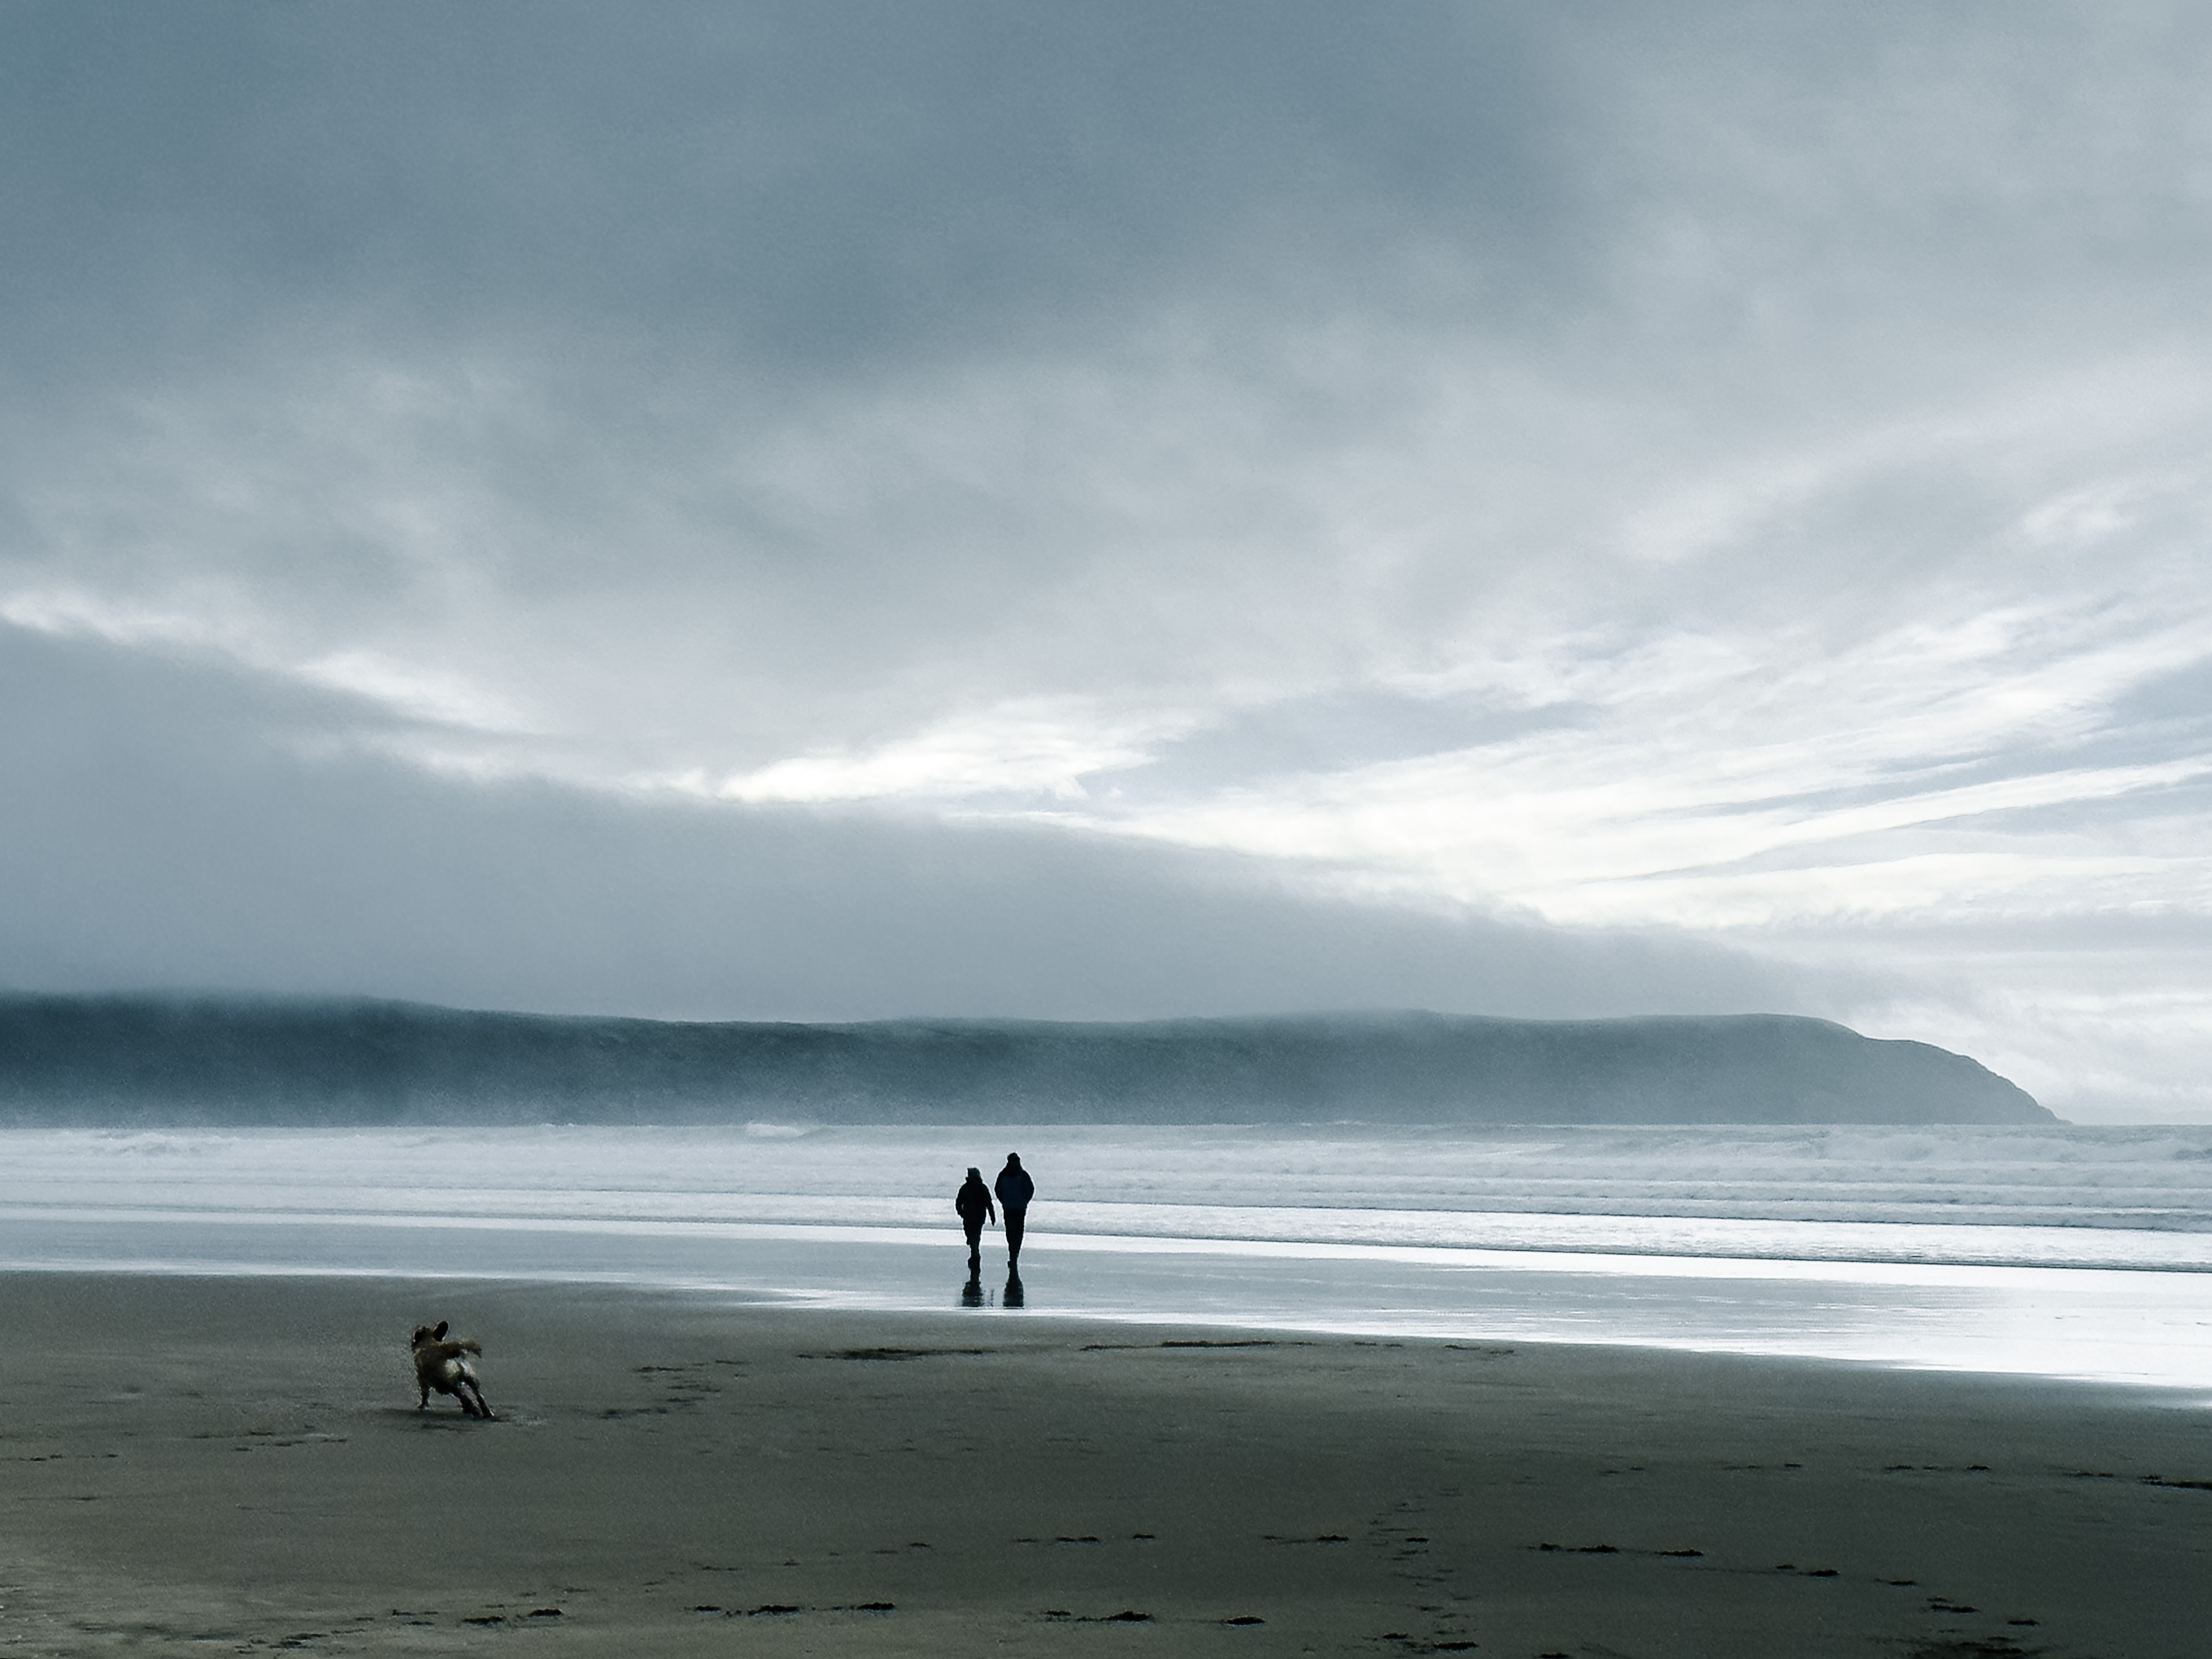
(2055, 1250)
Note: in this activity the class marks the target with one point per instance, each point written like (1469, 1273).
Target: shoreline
(1454, 1235)
(2138, 1328)
(219, 1464)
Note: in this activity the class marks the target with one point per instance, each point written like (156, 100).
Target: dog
(443, 1363)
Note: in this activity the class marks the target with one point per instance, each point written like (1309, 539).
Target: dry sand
(193, 1466)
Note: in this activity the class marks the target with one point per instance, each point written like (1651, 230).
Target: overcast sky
(836, 511)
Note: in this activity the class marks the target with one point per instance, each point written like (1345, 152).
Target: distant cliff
(125, 1060)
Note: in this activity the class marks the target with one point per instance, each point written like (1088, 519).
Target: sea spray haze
(96, 1059)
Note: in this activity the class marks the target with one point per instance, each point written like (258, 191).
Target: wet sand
(208, 1465)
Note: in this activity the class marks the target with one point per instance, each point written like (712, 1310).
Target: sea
(2051, 1250)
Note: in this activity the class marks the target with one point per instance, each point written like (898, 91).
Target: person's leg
(974, 1240)
(1015, 1220)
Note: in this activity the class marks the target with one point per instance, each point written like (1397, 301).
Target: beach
(2061, 1253)
(208, 1465)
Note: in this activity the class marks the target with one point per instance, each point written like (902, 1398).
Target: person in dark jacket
(1015, 1190)
(973, 1201)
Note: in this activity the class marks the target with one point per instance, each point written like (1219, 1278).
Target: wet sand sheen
(214, 1465)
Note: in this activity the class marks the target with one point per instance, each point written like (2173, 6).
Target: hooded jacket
(1015, 1188)
(973, 1201)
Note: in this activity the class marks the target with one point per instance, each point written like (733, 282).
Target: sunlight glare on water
(2051, 1250)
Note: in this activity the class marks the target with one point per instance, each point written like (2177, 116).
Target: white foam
(2056, 1251)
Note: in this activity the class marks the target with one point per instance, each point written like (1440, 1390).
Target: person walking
(1015, 1189)
(973, 1201)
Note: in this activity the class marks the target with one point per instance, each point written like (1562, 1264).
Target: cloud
(1580, 478)
(164, 829)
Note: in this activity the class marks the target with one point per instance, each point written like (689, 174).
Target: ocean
(2046, 1251)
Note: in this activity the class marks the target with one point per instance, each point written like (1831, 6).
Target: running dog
(443, 1362)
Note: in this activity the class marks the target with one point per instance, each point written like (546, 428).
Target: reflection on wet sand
(973, 1295)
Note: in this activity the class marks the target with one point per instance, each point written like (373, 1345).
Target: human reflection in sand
(973, 1295)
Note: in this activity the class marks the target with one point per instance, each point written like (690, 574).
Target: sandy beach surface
(218, 1465)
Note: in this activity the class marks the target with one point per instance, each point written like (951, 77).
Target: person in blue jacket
(1015, 1189)
(973, 1201)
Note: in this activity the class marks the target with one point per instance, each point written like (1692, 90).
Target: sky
(841, 511)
